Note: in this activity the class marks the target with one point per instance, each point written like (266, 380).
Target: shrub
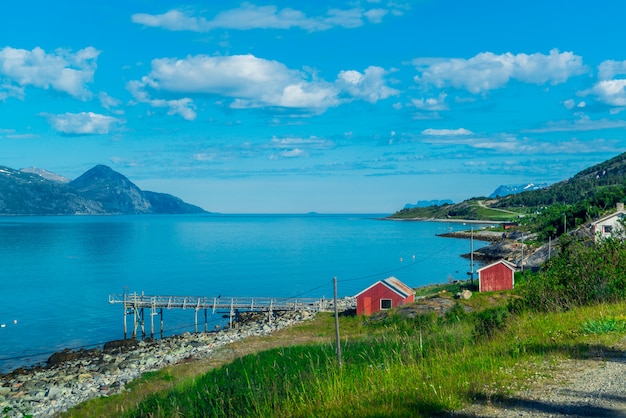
(490, 321)
(583, 274)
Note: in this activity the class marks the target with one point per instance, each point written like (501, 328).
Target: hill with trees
(550, 211)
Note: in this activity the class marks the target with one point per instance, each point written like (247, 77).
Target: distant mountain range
(593, 190)
(99, 191)
(501, 191)
(506, 190)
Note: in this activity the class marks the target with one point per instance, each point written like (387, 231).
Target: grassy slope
(395, 367)
(602, 184)
(473, 209)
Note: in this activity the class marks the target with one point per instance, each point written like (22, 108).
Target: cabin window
(607, 229)
(385, 304)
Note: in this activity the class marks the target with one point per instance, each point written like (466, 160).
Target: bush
(490, 321)
(583, 274)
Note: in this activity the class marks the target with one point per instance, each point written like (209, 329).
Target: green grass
(470, 209)
(393, 367)
(604, 325)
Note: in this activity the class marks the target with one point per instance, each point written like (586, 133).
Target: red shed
(496, 276)
(382, 295)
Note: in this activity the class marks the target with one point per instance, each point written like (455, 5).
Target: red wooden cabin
(496, 276)
(382, 295)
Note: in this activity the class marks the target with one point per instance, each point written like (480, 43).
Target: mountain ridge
(601, 186)
(98, 191)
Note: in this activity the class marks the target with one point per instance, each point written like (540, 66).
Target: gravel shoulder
(593, 387)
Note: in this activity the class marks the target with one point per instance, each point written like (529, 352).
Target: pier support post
(152, 313)
(142, 322)
(230, 319)
(125, 313)
(135, 314)
(161, 325)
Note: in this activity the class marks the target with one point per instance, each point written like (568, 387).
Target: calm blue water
(57, 272)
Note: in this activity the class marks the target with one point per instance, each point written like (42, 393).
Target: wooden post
(143, 328)
(125, 313)
(337, 323)
(161, 327)
(152, 313)
(230, 319)
(135, 315)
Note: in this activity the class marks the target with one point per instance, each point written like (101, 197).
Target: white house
(612, 224)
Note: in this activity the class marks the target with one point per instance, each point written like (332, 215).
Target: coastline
(46, 390)
(464, 221)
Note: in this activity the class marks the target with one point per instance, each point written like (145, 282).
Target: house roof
(508, 264)
(394, 284)
(614, 214)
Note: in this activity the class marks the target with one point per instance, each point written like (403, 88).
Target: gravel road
(594, 387)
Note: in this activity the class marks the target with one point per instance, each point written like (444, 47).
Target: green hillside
(549, 212)
(472, 209)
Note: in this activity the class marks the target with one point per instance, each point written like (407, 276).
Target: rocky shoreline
(510, 246)
(74, 377)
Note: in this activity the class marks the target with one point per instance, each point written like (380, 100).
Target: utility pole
(337, 322)
(522, 262)
(471, 272)
(549, 247)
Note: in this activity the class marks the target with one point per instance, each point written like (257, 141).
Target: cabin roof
(394, 284)
(508, 264)
(614, 214)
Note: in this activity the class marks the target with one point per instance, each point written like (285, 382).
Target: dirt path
(481, 203)
(594, 387)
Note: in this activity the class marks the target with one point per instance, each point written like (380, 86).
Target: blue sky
(326, 106)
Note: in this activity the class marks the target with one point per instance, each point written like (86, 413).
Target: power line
(399, 268)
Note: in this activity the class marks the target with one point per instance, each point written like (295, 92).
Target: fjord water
(57, 272)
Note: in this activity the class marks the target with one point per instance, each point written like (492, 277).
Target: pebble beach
(70, 378)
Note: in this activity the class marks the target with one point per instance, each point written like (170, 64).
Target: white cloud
(312, 142)
(571, 104)
(61, 70)
(84, 123)
(584, 123)
(431, 104)
(376, 15)
(487, 71)
(251, 82)
(610, 92)
(511, 144)
(9, 90)
(248, 80)
(447, 132)
(296, 152)
(183, 107)
(369, 85)
(609, 69)
(250, 16)
(107, 101)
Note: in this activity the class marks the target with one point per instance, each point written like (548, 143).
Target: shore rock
(74, 377)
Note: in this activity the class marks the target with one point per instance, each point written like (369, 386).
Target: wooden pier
(135, 303)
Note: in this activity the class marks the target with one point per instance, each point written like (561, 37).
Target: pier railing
(135, 304)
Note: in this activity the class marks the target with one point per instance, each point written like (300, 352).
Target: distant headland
(99, 191)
